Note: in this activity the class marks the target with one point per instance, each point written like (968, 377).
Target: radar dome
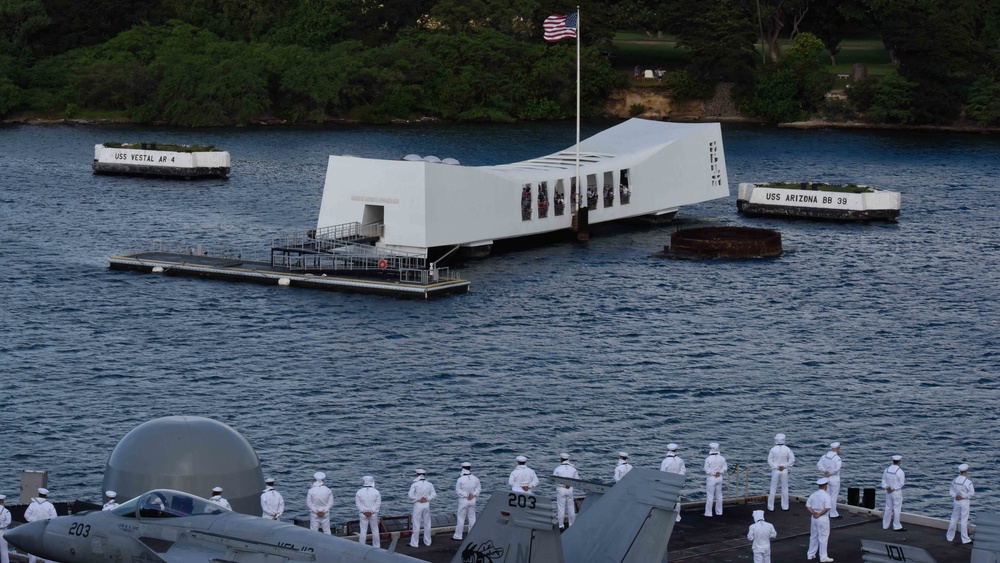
(190, 454)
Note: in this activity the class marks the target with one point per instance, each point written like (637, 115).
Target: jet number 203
(520, 501)
(79, 529)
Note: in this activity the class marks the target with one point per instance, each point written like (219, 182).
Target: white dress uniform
(217, 499)
(829, 465)
(319, 499)
(522, 476)
(39, 509)
(893, 478)
(272, 504)
(961, 492)
(112, 502)
(467, 489)
(674, 464)
(761, 533)
(369, 502)
(421, 489)
(623, 466)
(4, 522)
(565, 502)
(780, 458)
(715, 468)
(819, 528)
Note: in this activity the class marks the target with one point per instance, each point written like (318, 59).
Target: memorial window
(624, 189)
(526, 202)
(609, 189)
(560, 199)
(591, 191)
(543, 200)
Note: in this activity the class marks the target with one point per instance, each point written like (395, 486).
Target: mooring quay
(339, 258)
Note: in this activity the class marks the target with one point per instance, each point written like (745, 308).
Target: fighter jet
(630, 522)
(174, 527)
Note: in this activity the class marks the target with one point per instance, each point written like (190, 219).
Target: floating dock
(337, 259)
(151, 159)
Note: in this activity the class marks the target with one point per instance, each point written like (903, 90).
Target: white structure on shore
(635, 169)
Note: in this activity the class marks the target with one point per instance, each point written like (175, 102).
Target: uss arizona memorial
(638, 168)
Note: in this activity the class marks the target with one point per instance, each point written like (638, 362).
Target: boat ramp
(339, 258)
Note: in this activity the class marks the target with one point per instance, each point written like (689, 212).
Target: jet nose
(28, 537)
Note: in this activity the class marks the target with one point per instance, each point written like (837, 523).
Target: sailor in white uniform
(369, 502)
(421, 493)
(272, 504)
(893, 480)
(961, 491)
(761, 533)
(467, 489)
(522, 478)
(217, 498)
(674, 464)
(39, 509)
(4, 522)
(623, 466)
(715, 467)
(565, 502)
(819, 524)
(111, 504)
(319, 499)
(829, 465)
(780, 458)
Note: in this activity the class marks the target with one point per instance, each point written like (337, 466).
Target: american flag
(558, 26)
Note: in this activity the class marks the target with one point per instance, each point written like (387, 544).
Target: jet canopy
(165, 503)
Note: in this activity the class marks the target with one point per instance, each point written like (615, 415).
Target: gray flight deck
(724, 539)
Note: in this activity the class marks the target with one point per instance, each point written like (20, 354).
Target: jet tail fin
(513, 528)
(884, 552)
(630, 523)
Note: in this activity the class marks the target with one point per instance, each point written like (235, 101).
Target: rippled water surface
(882, 336)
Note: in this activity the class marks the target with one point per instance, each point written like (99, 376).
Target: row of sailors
(524, 480)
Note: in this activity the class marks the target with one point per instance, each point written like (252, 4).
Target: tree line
(221, 62)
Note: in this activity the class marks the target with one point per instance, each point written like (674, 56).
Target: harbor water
(882, 336)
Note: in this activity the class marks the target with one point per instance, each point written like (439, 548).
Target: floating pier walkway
(339, 258)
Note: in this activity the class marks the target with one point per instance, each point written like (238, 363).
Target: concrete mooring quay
(382, 280)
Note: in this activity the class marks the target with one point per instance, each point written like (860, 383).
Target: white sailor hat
(269, 480)
(521, 459)
(368, 481)
(758, 515)
(216, 489)
(822, 481)
(466, 465)
(43, 491)
(3, 497)
(564, 456)
(713, 447)
(779, 439)
(319, 475)
(622, 454)
(834, 445)
(963, 467)
(420, 472)
(671, 446)
(110, 494)
(897, 457)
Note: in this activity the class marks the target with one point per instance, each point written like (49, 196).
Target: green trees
(795, 87)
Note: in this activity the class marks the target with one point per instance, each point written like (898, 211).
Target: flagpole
(579, 186)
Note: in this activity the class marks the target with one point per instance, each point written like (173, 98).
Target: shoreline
(801, 125)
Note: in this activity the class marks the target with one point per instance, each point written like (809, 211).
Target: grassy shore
(633, 48)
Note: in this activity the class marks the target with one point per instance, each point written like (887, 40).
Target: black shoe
(899, 529)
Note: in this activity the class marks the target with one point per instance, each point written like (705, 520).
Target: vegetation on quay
(223, 62)
(817, 186)
(170, 147)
